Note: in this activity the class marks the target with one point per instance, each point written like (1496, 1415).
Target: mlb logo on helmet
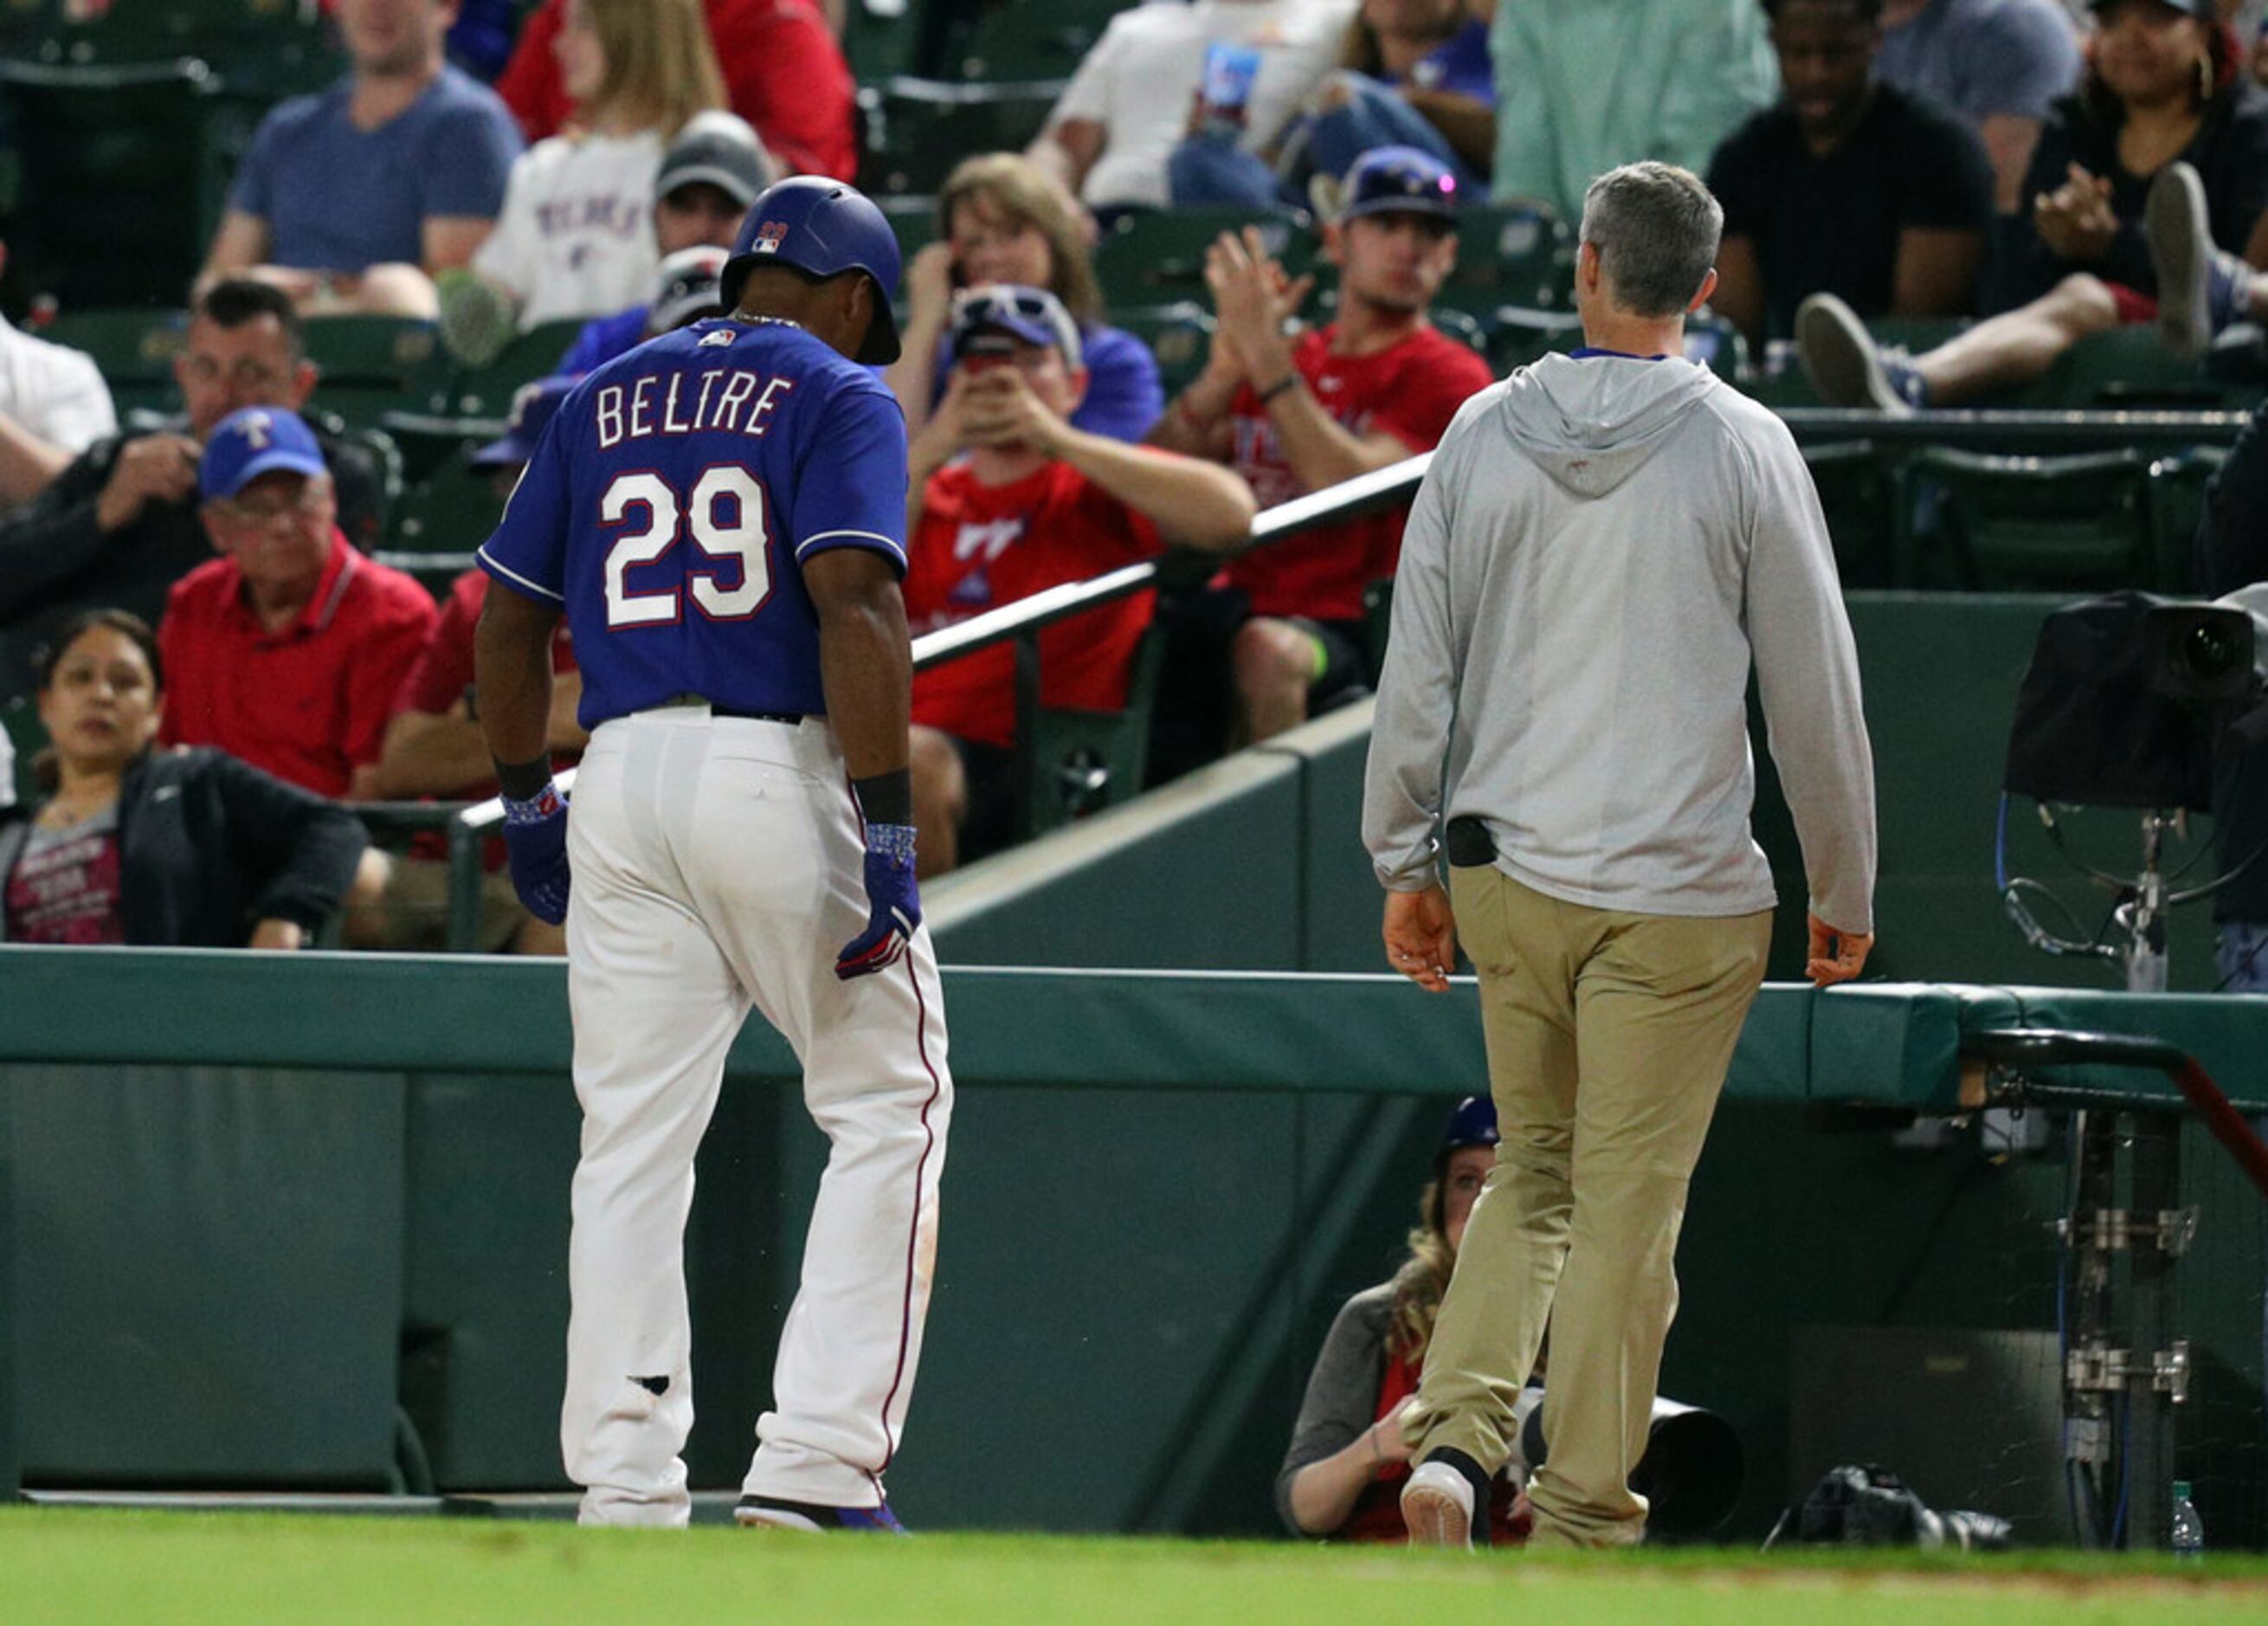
(770, 236)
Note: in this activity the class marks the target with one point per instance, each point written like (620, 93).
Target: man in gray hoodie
(1604, 544)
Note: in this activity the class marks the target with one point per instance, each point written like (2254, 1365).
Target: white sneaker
(1840, 358)
(2180, 235)
(1437, 1504)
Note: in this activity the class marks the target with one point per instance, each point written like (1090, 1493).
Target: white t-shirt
(1141, 77)
(575, 237)
(53, 391)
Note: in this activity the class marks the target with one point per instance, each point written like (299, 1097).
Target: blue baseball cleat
(777, 1513)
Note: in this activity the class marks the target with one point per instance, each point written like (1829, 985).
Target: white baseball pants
(718, 865)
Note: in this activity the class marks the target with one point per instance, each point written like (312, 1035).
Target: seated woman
(2147, 187)
(1000, 220)
(576, 235)
(1343, 1473)
(188, 848)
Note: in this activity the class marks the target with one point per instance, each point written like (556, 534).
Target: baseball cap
(1473, 1123)
(532, 408)
(252, 441)
(1032, 314)
(688, 288)
(1398, 180)
(720, 148)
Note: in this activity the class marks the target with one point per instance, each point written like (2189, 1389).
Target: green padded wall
(1160, 1187)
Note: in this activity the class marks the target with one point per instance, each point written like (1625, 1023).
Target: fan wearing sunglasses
(1008, 499)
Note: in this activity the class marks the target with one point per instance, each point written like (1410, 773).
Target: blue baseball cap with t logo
(1399, 181)
(252, 441)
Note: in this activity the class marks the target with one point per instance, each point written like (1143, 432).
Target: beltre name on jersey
(673, 500)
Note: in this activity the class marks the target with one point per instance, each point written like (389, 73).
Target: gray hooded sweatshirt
(1600, 548)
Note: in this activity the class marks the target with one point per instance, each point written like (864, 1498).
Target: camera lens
(2210, 652)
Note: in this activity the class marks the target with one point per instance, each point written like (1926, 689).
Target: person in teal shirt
(1582, 89)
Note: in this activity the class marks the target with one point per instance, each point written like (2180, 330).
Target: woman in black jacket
(187, 848)
(2149, 194)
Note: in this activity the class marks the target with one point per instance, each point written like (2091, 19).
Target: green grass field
(136, 1567)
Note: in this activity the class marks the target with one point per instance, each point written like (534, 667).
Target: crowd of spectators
(2054, 167)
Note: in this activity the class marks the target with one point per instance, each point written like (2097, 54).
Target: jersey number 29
(724, 486)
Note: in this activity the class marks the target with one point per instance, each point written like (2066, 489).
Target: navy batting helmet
(825, 228)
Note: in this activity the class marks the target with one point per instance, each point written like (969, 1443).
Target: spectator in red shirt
(288, 650)
(1028, 502)
(1295, 415)
(784, 73)
(434, 746)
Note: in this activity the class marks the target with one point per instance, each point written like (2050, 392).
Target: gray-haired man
(1604, 543)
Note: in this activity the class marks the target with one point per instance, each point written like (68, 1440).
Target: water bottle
(2189, 1529)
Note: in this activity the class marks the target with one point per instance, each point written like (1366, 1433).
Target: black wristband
(1277, 388)
(522, 780)
(887, 798)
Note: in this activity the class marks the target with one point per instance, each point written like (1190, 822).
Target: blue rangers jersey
(674, 497)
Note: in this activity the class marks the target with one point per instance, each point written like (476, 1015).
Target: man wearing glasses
(286, 651)
(118, 526)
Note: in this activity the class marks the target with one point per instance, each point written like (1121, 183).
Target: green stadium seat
(134, 348)
(1158, 256)
(1521, 255)
(2128, 367)
(1988, 524)
(1030, 38)
(913, 220)
(373, 365)
(1179, 335)
(1083, 762)
(1858, 491)
(261, 50)
(450, 513)
(1517, 335)
(2177, 484)
(917, 129)
(27, 737)
(486, 392)
(882, 38)
(122, 171)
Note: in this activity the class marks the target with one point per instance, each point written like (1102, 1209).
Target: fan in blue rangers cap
(720, 513)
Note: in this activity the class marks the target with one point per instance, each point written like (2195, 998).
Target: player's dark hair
(135, 630)
(1867, 10)
(235, 300)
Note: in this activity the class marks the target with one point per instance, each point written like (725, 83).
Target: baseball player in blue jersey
(720, 514)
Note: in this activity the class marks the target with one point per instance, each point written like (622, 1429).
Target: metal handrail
(2086, 429)
(1365, 494)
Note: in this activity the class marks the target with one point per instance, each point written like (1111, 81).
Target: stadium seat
(913, 220)
(2007, 524)
(917, 129)
(261, 50)
(2177, 484)
(1083, 762)
(1158, 256)
(882, 38)
(373, 364)
(134, 350)
(122, 171)
(1029, 39)
(1858, 492)
(450, 513)
(1521, 254)
(1179, 335)
(1517, 335)
(2128, 367)
(486, 392)
(19, 720)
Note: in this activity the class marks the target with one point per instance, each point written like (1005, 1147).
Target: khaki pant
(1609, 1036)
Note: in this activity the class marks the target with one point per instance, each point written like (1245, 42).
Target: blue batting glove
(894, 903)
(535, 843)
